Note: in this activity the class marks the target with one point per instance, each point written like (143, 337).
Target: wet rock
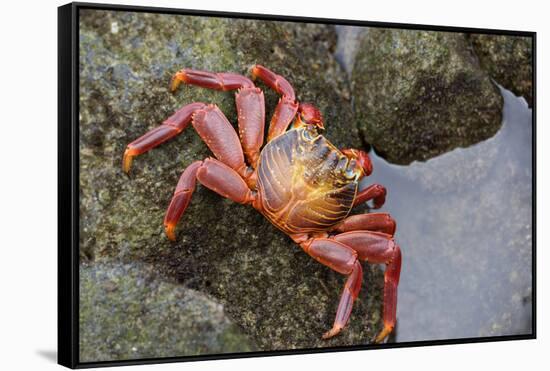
(127, 313)
(421, 93)
(281, 298)
(508, 59)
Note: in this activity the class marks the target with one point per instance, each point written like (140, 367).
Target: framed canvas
(237, 185)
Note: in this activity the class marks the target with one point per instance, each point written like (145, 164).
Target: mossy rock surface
(508, 59)
(278, 296)
(126, 313)
(419, 94)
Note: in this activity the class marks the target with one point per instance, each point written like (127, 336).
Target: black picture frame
(68, 185)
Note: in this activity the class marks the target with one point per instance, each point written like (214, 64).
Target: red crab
(299, 181)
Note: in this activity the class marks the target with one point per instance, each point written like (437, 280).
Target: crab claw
(361, 157)
(310, 115)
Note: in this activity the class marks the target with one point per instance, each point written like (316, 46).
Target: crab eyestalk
(361, 157)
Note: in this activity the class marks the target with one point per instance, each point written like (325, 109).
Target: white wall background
(28, 181)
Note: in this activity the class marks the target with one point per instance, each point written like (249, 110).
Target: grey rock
(127, 313)
(418, 94)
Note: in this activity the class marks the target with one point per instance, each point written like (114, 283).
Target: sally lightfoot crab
(299, 181)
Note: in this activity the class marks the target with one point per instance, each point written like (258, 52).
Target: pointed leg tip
(174, 85)
(170, 232)
(253, 69)
(177, 79)
(127, 162)
(383, 334)
(332, 332)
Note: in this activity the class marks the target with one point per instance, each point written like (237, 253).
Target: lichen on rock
(126, 313)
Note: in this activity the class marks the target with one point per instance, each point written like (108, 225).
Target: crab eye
(350, 170)
(341, 166)
(310, 133)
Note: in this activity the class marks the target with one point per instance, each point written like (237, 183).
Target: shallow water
(465, 228)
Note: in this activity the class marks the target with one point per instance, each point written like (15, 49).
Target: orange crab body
(298, 180)
(305, 184)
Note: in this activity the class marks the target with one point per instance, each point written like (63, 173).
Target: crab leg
(218, 134)
(274, 81)
(249, 100)
(376, 247)
(169, 128)
(251, 118)
(374, 192)
(210, 80)
(376, 222)
(286, 109)
(343, 260)
(214, 175)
